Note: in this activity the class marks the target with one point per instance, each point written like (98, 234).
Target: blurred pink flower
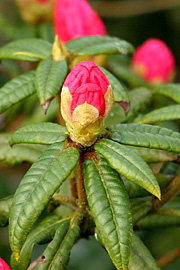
(154, 62)
(76, 18)
(4, 265)
(86, 100)
(42, 1)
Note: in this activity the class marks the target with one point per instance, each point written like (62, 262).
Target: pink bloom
(4, 265)
(86, 100)
(154, 62)
(76, 18)
(42, 1)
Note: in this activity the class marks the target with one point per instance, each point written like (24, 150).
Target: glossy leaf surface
(26, 50)
(109, 204)
(94, 45)
(42, 234)
(41, 133)
(50, 76)
(141, 257)
(170, 90)
(129, 164)
(16, 90)
(171, 112)
(57, 254)
(36, 188)
(146, 136)
(18, 153)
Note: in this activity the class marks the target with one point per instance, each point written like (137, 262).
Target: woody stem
(80, 184)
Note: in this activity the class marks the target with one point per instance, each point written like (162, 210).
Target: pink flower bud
(76, 18)
(154, 62)
(86, 100)
(4, 265)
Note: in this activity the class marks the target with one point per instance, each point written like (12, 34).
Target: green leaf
(135, 191)
(126, 74)
(35, 190)
(31, 49)
(129, 164)
(57, 254)
(120, 94)
(5, 206)
(16, 90)
(140, 208)
(41, 133)
(158, 221)
(140, 99)
(154, 155)
(95, 45)
(141, 257)
(50, 76)
(163, 114)
(171, 90)
(19, 153)
(42, 234)
(109, 204)
(146, 136)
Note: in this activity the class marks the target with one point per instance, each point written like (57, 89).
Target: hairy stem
(80, 184)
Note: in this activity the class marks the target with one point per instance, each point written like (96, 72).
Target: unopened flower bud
(154, 62)
(35, 11)
(86, 100)
(4, 265)
(76, 18)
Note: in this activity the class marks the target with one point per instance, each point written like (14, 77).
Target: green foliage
(26, 50)
(129, 164)
(55, 164)
(111, 212)
(113, 187)
(43, 133)
(50, 76)
(94, 45)
(16, 90)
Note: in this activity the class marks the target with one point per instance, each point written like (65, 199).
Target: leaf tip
(45, 105)
(125, 105)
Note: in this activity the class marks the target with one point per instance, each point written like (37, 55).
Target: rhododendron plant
(154, 62)
(73, 19)
(86, 100)
(101, 164)
(4, 265)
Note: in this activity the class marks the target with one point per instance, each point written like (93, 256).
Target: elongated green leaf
(35, 190)
(171, 90)
(154, 155)
(16, 90)
(42, 234)
(158, 221)
(129, 164)
(141, 257)
(5, 206)
(19, 153)
(50, 76)
(140, 208)
(56, 255)
(146, 136)
(135, 190)
(41, 133)
(111, 211)
(94, 45)
(31, 49)
(125, 73)
(163, 114)
(120, 94)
